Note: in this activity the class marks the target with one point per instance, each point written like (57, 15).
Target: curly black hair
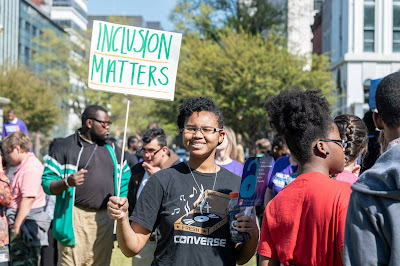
(300, 117)
(198, 104)
(353, 129)
(153, 133)
(388, 99)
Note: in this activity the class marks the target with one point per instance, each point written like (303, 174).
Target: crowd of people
(318, 209)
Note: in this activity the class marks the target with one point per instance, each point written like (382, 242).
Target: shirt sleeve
(3, 133)
(5, 190)
(342, 213)
(24, 128)
(272, 176)
(266, 245)
(364, 241)
(147, 208)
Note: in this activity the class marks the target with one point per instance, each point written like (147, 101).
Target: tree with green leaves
(240, 73)
(208, 16)
(65, 61)
(31, 98)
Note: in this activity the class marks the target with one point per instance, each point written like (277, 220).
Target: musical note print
(176, 211)
(182, 198)
(192, 195)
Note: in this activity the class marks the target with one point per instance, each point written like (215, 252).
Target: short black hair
(198, 104)
(300, 117)
(387, 99)
(157, 133)
(278, 142)
(53, 143)
(132, 139)
(353, 129)
(90, 112)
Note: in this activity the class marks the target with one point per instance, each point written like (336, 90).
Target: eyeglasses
(103, 123)
(203, 130)
(152, 152)
(341, 142)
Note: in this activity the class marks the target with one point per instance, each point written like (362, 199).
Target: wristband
(66, 182)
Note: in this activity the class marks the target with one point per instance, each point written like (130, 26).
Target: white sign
(132, 60)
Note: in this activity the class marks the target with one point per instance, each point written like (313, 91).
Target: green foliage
(208, 16)
(239, 75)
(31, 98)
(65, 61)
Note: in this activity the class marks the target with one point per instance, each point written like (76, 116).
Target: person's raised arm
(246, 250)
(131, 239)
(74, 180)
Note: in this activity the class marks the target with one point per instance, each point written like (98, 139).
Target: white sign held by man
(133, 60)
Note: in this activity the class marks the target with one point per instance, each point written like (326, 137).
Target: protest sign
(256, 173)
(133, 60)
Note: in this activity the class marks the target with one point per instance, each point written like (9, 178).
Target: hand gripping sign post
(133, 61)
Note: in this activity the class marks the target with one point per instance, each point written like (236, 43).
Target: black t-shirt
(193, 224)
(98, 186)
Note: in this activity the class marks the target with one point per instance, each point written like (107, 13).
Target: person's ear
(18, 148)
(322, 148)
(221, 136)
(275, 149)
(165, 149)
(89, 123)
(377, 121)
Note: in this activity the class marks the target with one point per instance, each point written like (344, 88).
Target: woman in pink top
(353, 129)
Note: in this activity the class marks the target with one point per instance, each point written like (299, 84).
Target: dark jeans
(49, 254)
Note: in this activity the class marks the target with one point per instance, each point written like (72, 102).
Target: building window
(318, 5)
(369, 25)
(367, 85)
(27, 26)
(396, 25)
(34, 29)
(27, 52)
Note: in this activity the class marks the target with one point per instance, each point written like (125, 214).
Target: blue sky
(151, 10)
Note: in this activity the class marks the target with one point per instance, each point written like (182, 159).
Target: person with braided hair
(353, 129)
(304, 223)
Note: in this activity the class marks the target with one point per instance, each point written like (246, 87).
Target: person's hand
(16, 229)
(77, 178)
(247, 224)
(150, 169)
(117, 208)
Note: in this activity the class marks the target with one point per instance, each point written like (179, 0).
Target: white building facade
(362, 38)
(71, 14)
(299, 16)
(9, 23)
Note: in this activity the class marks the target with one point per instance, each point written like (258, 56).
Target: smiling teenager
(188, 201)
(304, 223)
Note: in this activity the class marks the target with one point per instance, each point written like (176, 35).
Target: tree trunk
(37, 144)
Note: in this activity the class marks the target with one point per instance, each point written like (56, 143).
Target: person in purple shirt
(13, 125)
(284, 168)
(226, 153)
